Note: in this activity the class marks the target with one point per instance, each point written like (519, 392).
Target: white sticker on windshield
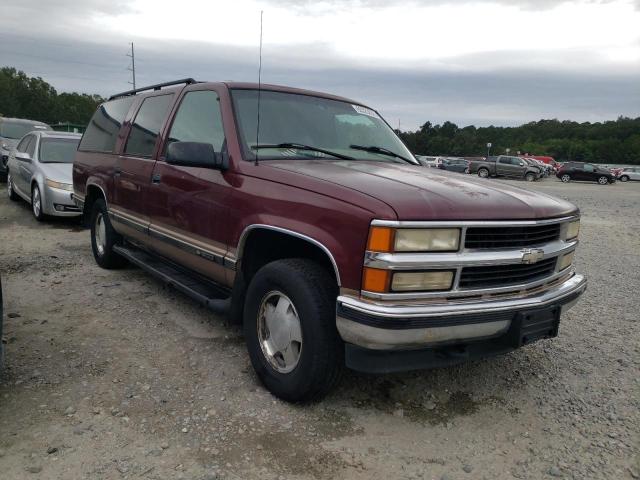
(364, 110)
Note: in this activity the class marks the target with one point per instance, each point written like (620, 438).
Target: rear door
(132, 177)
(188, 205)
(588, 172)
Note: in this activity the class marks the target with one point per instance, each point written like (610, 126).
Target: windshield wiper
(299, 146)
(382, 151)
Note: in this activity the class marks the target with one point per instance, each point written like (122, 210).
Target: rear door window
(199, 120)
(103, 128)
(146, 126)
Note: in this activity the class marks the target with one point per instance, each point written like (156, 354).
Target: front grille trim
(505, 275)
(510, 236)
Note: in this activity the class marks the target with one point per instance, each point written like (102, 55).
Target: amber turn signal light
(376, 280)
(380, 239)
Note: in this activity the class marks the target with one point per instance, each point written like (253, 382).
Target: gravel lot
(109, 375)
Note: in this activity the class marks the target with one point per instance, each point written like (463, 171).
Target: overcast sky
(472, 62)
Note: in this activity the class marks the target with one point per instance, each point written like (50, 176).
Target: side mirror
(24, 156)
(194, 154)
(522, 164)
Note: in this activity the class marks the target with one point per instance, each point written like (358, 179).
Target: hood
(418, 193)
(58, 172)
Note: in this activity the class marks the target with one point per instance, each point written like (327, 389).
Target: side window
(103, 128)
(199, 120)
(31, 147)
(506, 160)
(589, 168)
(146, 126)
(22, 146)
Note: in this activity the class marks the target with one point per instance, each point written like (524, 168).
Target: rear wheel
(624, 178)
(603, 180)
(529, 177)
(36, 203)
(11, 193)
(565, 178)
(290, 329)
(104, 238)
(483, 173)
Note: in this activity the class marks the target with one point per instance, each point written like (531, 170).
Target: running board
(202, 290)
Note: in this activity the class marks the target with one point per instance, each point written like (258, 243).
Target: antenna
(259, 90)
(133, 66)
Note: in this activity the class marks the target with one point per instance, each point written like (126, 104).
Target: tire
(104, 237)
(624, 178)
(483, 173)
(36, 203)
(603, 180)
(11, 193)
(529, 177)
(566, 178)
(315, 362)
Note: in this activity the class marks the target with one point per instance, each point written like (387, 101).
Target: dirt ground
(109, 375)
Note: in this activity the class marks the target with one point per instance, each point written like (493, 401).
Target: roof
(57, 134)
(23, 120)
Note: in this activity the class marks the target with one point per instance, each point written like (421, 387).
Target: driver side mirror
(194, 154)
(522, 164)
(24, 156)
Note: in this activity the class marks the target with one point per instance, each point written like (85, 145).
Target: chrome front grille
(509, 237)
(504, 275)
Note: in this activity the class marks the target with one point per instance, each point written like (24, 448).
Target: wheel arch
(93, 193)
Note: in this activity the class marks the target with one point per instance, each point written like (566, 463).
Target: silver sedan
(40, 172)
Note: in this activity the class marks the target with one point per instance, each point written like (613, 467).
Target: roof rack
(157, 86)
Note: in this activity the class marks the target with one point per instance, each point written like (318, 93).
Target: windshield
(335, 126)
(17, 130)
(58, 150)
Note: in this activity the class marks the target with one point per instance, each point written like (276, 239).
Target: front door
(22, 178)
(188, 205)
(132, 177)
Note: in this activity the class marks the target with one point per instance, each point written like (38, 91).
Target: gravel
(132, 365)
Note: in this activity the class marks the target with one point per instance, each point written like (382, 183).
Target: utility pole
(133, 66)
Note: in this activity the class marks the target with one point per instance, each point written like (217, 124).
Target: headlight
(62, 186)
(422, 281)
(566, 261)
(5, 146)
(385, 239)
(573, 229)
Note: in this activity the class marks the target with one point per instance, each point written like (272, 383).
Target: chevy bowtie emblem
(532, 255)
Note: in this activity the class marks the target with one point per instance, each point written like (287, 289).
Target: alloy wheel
(603, 180)
(279, 332)
(36, 202)
(9, 186)
(565, 178)
(100, 233)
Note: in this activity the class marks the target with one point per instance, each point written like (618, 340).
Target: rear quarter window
(146, 126)
(103, 128)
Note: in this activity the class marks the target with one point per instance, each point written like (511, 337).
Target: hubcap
(565, 178)
(279, 331)
(602, 180)
(100, 234)
(36, 202)
(9, 187)
(623, 179)
(483, 173)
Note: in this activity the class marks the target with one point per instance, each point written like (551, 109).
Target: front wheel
(624, 178)
(603, 180)
(290, 329)
(104, 238)
(483, 173)
(529, 177)
(36, 203)
(11, 193)
(565, 178)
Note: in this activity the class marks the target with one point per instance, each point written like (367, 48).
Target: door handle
(117, 171)
(155, 178)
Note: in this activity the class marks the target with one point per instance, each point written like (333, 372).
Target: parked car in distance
(11, 131)
(323, 237)
(505, 166)
(629, 174)
(428, 161)
(585, 172)
(40, 172)
(453, 164)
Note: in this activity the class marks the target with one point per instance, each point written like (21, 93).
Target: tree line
(616, 141)
(22, 96)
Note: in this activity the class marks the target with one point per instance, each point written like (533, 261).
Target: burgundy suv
(302, 216)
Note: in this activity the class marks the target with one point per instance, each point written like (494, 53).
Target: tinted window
(22, 146)
(146, 126)
(13, 129)
(506, 160)
(102, 131)
(589, 168)
(58, 150)
(199, 120)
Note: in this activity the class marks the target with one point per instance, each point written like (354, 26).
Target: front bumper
(59, 202)
(384, 338)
